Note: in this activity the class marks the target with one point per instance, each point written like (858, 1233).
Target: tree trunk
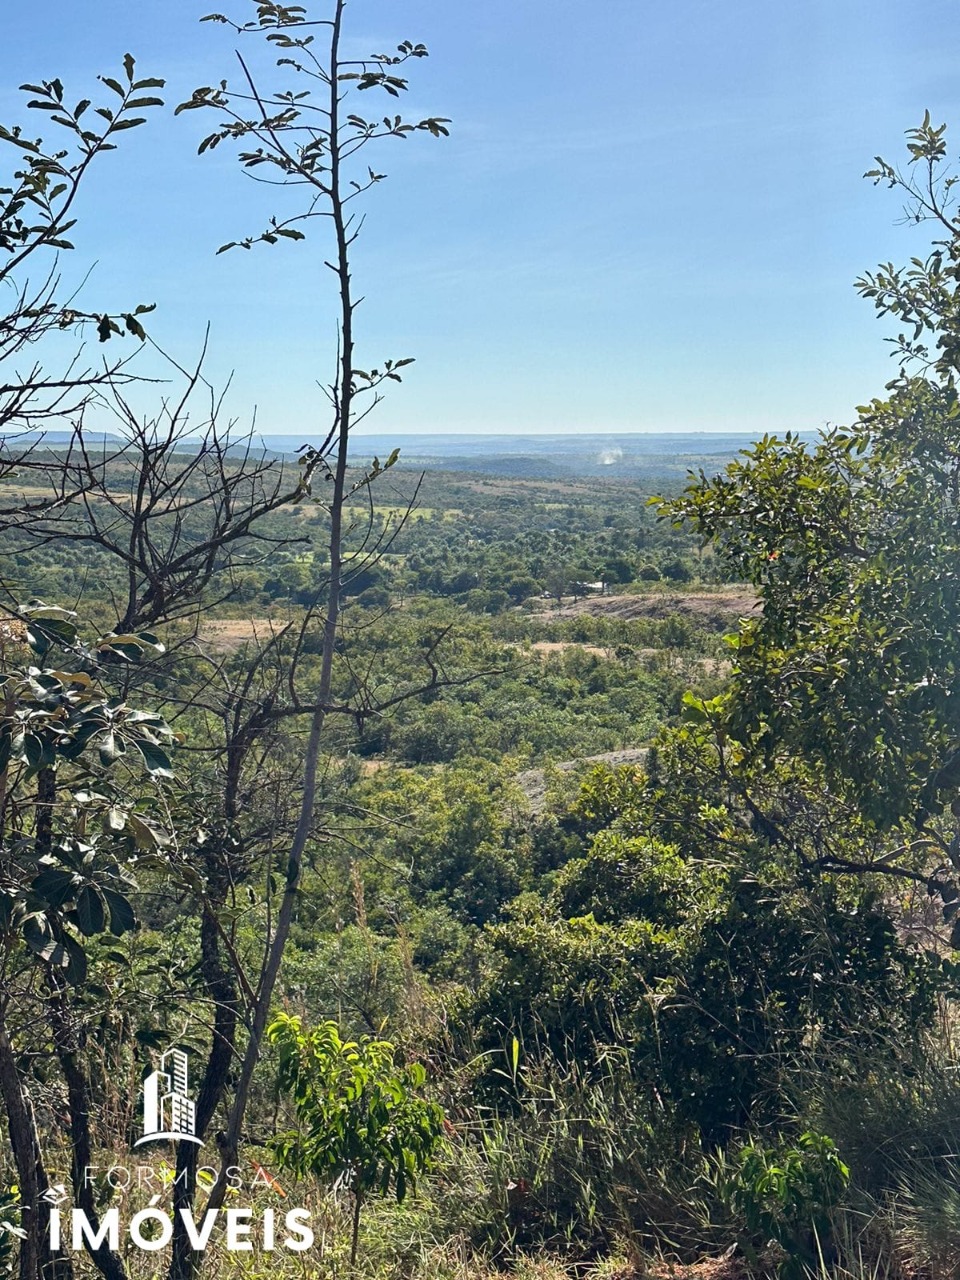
(109, 1264)
(221, 986)
(36, 1260)
(229, 1141)
(355, 1238)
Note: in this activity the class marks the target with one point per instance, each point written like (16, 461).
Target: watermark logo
(169, 1113)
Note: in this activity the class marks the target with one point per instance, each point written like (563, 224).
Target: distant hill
(57, 439)
(628, 456)
(625, 456)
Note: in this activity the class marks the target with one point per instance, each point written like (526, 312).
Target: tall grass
(898, 1126)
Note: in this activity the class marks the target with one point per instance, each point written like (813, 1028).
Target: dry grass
(731, 604)
(227, 635)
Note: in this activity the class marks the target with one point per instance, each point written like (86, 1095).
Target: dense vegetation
(535, 876)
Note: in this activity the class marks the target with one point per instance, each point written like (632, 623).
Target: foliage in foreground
(362, 1123)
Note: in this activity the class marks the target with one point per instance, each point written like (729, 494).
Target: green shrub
(722, 983)
(786, 1194)
(361, 1120)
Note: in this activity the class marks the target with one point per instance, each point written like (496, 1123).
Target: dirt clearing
(226, 635)
(704, 605)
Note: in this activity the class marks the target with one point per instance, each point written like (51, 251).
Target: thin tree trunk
(355, 1239)
(36, 1260)
(108, 1263)
(25, 1150)
(229, 1141)
(219, 982)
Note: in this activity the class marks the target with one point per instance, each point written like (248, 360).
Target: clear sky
(648, 217)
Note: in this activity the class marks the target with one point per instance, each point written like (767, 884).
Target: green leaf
(128, 649)
(43, 945)
(42, 634)
(55, 886)
(90, 913)
(694, 708)
(76, 961)
(155, 758)
(122, 918)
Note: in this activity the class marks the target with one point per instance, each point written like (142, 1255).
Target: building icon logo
(168, 1113)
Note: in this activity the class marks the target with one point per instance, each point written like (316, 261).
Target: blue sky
(648, 216)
